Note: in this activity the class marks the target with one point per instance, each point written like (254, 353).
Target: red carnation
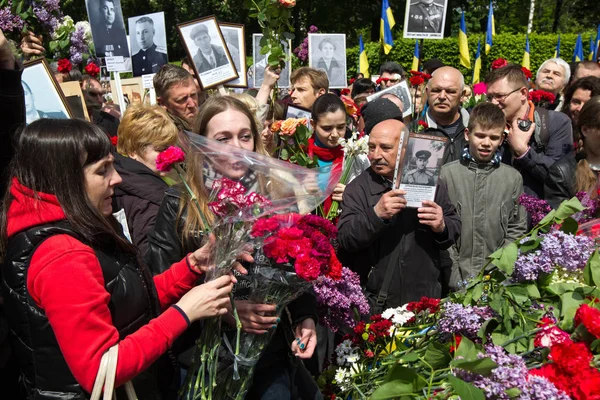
(499, 63)
(428, 304)
(416, 80)
(538, 96)
(264, 226)
(166, 159)
(92, 69)
(345, 92)
(527, 73)
(379, 80)
(590, 318)
(335, 267)
(307, 267)
(457, 339)
(64, 65)
(424, 124)
(114, 140)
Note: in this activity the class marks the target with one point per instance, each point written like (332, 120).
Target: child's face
(483, 143)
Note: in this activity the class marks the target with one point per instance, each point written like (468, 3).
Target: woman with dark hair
(180, 227)
(72, 285)
(363, 85)
(330, 65)
(579, 173)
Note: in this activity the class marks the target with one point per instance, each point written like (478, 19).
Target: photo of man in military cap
(420, 175)
(148, 56)
(209, 56)
(425, 19)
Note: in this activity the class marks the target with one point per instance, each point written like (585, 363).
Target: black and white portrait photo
(43, 96)
(259, 62)
(424, 19)
(234, 39)
(398, 94)
(328, 52)
(108, 32)
(206, 47)
(148, 43)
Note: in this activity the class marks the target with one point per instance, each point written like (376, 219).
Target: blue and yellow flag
(416, 56)
(363, 61)
(463, 43)
(491, 30)
(385, 28)
(578, 52)
(557, 51)
(477, 67)
(526, 63)
(597, 46)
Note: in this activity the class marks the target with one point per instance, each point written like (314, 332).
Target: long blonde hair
(194, 163)
(586, 178)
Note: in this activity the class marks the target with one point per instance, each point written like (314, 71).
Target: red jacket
(65, 280)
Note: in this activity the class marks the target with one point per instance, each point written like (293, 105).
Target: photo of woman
(327, 52)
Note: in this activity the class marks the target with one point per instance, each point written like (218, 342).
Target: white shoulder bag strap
(106, 377)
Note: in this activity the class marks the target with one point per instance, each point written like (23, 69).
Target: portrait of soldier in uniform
(108, 30)
(425, 19)
(150, 56)
(420, 175)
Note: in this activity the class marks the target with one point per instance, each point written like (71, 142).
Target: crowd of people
(75, 281)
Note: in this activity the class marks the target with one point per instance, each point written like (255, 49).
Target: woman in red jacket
(71, 283)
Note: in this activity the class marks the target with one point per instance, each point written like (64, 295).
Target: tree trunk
(557, 10)
(531, 14)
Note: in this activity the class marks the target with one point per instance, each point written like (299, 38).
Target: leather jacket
(560, 184)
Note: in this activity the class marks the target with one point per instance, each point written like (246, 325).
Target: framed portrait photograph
(294, 111)
(425, 19)
(234, 35)
(327, 51)
(394, 93)
(108, 33)
(148, 42)
(421, 166)
(205, 46)
(74, 97)
(43, 96)
(259, 62)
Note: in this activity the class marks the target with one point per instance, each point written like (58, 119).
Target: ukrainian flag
(592, 45)
(463, 44)
(416, 56)
(526, 63)
(597, 45)
(578, 52)
(557, 51)
(363, 62)
(477, 67)
(491, 30)
(385, 28)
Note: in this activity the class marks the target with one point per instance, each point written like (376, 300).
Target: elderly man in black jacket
(395, 249)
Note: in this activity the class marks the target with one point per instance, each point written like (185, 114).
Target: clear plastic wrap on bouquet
(240, 187)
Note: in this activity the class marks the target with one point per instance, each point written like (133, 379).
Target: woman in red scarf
(329, 123)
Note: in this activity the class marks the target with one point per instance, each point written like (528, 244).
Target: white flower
(87, 31)
(352, 358)
(399, 316)
(340, 375)
(354, 146)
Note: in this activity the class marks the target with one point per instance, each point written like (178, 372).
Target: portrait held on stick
(108, 32)
(425, 19)
(148, 41)
(43, 96)
(234, 35)
(208, 51)
(259, 63)
(328, 52)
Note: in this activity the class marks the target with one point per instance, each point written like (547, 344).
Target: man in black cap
(396, 250)
(420, 176)
(208, 56)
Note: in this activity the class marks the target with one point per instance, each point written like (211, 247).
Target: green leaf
(569, 225)
(409, 357)
(400, 381)
(466, 349)
(499, 338)
(513, 392)
(53, 46)
(262, 17)
(519, 293)
(548, 218)
(437, 355)
(465, 390)
(477, 291)
(481, 366)
(284, 154)
(570, 302)
(591, 272)
(530, 245)
(560, 288)
(289, 36)
(487, 327)
(568, 208)
(505, 258)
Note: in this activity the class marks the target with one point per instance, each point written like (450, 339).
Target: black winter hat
(377, 111)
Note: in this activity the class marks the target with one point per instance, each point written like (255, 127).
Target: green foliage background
(508, 46)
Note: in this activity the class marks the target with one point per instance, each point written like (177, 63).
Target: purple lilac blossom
(557, 248)
(302, 50)
(537, 208)
(463, 320)
(338, 299)
(78, 46)
(10, 22)
(511, 373)
(591, 208)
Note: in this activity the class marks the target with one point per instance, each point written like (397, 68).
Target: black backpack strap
(541, 134)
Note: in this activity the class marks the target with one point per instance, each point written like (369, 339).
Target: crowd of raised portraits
(73, 286)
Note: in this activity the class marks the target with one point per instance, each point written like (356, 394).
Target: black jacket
(456, 143)
(140, 195)
(560, 184)
(367, 242)
(12, 115)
